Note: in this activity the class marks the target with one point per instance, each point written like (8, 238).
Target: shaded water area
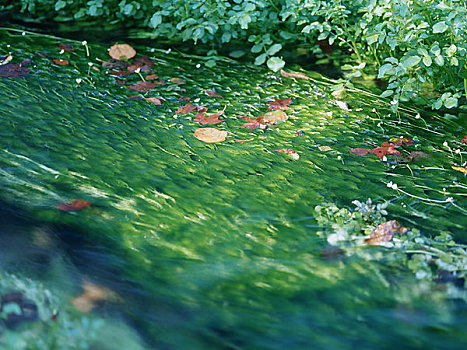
(215, 246)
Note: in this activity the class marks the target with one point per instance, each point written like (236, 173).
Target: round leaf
(210, 135)
(275, 63)
(122, 52)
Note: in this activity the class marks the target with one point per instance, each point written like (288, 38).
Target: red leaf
(209, 118)
(144, 86)
(385, 149)
(464, 140)
(11, 70)
(67, 47)
(252, 124)
(184, 99)
(385, 231)
(279, 104)
(212, 93)
(188, 108)
(359, 151)
(77, 204)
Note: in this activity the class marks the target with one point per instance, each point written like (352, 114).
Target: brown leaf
(66, 47)
(184, 99)
(210, 135)
(77, 204)
(293, 154)
(60, 62)
(212, 93)
(11, 70)
(359, 151)
(399, 141)
(188, 108)
(155, 100)
(209, 118)
(120, 81)
(152, 77)
(122, 52)
(119, 73)
(279, 104)
(385, 231)
(385, 149)
(112, 63)
(144, 86)
(464, 140)
(257, 123)
(294, 75)
(177, 81)
(143, 61)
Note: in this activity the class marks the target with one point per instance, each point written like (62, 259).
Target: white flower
(137, 70)
(392, 185)
(393, 102)
(198, 65)
(384, 159)
(445, 144)
(418, 116)
(84, 42)
(389, 184)
(61, 52)
(458, 151)
(339, 157)
(450, 200)
(78, 80)
(23, 33)
(90, 64)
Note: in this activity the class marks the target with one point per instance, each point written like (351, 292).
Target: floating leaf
(76, 205)
(152, 77)
(188, 108)
(279, 104)
(462, 169)
(257, 123)
(326, 148)
(385, 231)
(464, 140)
(212, 93)
(122, 52)
(155, 100)
(275, 116)
(293, 154)
(210, 135)
(208, 118)
(115, 64)
(359, 151)
(385, 149)
(11, 70)
(294, 75)
(144, 86)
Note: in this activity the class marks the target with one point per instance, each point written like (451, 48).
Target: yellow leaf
(460, 168)
(210, 135)
(324, 148)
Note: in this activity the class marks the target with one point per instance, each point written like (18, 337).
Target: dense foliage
(417, 46)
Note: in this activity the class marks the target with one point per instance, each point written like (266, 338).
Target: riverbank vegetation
(415, 49)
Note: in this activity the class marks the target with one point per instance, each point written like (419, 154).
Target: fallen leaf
(462, 169)
(119, 73)
(464, 140)
(77, 204)
(209, 118)
(324, 148)
(92, 294)
(120, 81)
(144, 86)
(416, 155)
(152, 77)
(136, 97)
(143, 61)
(122, 52)
(184, 99)
(385, 149)
(294, 75)
(66, 47)
(385, 231)
(16, 70)
(359, 151)
(188, 108)
(177, 81)
(257, 123)
(293, 154)
(275, 116)
(399, 141)
(279, 104)
(115, 64)
(210, 135)
(339, 94)
(212, 93)
(155, 100)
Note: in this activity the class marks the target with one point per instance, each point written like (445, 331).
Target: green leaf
(439, 60)
(274, 49)
(275, 63)
(59, 5)
(260, 59)
(244, 20)
(386, 68)
(155, 20)
(450, 102)
(387, 93)
(410, 61)
(440, 27)
(427, 61)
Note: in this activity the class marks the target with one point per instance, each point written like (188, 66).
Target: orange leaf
(294, 75)
(155, 100)
(279, 104)
(385, 149)
(188, 108)
(464, 140)
(66, 47)
(359, 151)
(122, 52)
(254, 123)
(144, 86)
(399, 141)
(460, 168)
(76, 205)
(209, 118)
(212, 93)
(385, 231)
(152, 77)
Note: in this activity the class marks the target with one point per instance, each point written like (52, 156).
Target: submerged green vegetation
(416, 47)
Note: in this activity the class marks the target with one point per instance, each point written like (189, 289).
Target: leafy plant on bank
(418, 46)
(440, 258)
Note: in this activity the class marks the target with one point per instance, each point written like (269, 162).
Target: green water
(215, 245)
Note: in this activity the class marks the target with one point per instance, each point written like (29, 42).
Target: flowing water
(215, 246)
